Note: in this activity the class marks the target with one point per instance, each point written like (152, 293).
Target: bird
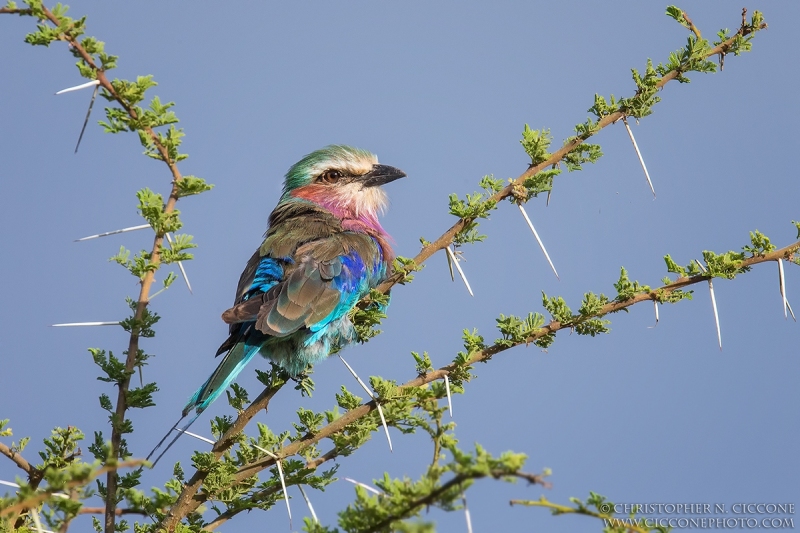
(324, 250)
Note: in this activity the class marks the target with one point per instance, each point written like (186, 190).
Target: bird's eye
(330, 176)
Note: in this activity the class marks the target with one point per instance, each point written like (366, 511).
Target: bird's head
(342, 179)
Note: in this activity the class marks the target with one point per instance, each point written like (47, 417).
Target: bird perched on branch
(323, 251)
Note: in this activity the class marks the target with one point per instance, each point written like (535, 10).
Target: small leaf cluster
(60, 470)
(760, 245)
(191, 185)
(598, 506)
(462, 369)
(536, 143)
(406, 266)
(641, 103)
(516, 330)
(692, 269)
(365, 319)
(151, 207)
(627, 289)
(402, 499)
(590, 321)
(742, 41)
(476, 206)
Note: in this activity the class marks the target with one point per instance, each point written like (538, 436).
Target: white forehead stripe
(355, 165)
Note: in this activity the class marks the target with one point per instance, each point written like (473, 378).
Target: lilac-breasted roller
(323, 251)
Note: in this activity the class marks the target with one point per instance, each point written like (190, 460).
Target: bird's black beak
(381, 175)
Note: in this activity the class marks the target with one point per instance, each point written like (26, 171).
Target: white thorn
(79, 87)
(385, 426)
(308, 503)
(180, 266)
(547, 203)
(195, 435)
(368, 391)
(449, 400)
(36, 521)
(713, 304)
(285, 493)
(655, 308)
(16, 486)
(71, 324)
(716, 315)
(283, 480)
(782, 282)
(790, 310)
(466, 514)
(106, 234)
(639, 154)
(450, 266)
(701, 266)
(364, 486)
(149, 298)
(458, 267)
(541, 244)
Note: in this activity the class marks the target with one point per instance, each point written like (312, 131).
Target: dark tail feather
(164, 438)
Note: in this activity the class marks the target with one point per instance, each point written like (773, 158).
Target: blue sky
(442, 91)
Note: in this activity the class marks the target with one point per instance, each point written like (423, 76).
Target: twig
(563, 509)
(43, 495)
(692, 27)
(118, 511)
(18, 460)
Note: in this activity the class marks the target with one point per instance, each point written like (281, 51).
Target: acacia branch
(264, 494)
(189, 500)
(19, 461)
(146, 281)
(45, 494)
(118, 511)
(15, 11)
(508, 192)
(431, 497)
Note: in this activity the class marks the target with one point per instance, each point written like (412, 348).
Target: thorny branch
(189, 500)
(434, 494)
(264, 494)
(508, 192)
(147, 280)
(19, 461)
(42, 496)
